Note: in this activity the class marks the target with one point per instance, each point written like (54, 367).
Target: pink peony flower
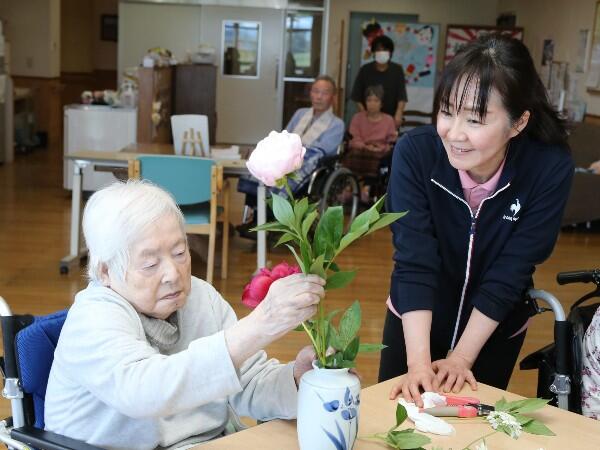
(276, 156)
(256, 291)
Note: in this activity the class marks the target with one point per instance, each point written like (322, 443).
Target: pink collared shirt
(474, 192)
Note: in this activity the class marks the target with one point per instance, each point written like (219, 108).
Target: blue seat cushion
(198, 214)
(35, 347)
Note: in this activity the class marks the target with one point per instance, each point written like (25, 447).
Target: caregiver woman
(150, 356)
(485, 190)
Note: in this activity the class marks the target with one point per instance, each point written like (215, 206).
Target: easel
(189, 137)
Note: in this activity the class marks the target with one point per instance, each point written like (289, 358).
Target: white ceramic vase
(328, 409)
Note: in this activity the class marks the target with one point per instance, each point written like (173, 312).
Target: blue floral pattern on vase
(348, 412)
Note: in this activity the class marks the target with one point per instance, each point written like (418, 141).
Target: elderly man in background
(152, 357)
(321, 133)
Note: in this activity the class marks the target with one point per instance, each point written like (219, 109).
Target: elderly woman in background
(150, 356)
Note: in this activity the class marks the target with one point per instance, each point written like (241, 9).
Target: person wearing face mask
(387, 74)
(485, 188)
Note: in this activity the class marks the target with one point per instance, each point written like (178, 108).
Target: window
(241, 48)
(303, 44)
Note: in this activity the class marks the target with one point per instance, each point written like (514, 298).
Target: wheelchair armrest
(34, 437)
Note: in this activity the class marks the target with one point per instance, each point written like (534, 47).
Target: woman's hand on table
(452, 373)
(418, 376)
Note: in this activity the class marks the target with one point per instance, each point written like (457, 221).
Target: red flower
(256, 291)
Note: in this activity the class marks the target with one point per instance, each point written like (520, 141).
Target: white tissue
(424, 422)
(431, 399)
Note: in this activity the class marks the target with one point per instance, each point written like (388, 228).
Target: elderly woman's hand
(289, 302)
(303, 363)
(595, 167)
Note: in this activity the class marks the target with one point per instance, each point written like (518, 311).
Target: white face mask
(382, 57)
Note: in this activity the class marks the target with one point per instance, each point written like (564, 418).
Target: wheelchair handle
(561, 328)
(579, 276)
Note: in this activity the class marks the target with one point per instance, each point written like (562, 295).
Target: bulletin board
(458, 35)
(415, 48)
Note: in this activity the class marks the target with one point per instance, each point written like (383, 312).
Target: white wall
(33, 29)
(561, 21)
(443, 12)
(143, 26)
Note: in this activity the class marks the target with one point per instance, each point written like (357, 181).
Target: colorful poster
(459, 35)
(415, 48)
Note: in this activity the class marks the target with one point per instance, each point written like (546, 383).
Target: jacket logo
(514, 209)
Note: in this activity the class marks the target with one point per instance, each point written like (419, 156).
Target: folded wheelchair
(29, 343)
(559, 364)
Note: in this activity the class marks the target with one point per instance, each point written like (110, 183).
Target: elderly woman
(150, 356)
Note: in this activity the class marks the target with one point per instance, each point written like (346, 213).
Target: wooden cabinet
(195, 90)
(154, 104)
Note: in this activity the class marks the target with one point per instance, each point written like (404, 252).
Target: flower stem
(478, 439)
(289, 191)
(310, 336)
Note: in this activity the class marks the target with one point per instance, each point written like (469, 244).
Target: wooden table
(377, 414)
(119, 161)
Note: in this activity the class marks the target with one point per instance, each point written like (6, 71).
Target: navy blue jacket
(446, 254)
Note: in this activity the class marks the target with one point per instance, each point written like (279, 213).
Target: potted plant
(329, 395)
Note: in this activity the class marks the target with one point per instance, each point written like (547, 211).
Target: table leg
(75, 252)
(261, 239)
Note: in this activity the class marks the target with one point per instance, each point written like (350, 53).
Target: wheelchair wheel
(341, 189)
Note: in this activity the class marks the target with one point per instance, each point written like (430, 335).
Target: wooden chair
(195, 184)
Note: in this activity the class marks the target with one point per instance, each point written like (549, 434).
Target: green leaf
(350, 237)
(307, 223)
(351, 349)
(349, 324)
(329, 231)
(300, 209)
(298, 259)
(409, 440)
(363, 220)
(285, 237)
(339, 279)
(283, 211)
(379, 203)
(345, 364)
(271, 226)
(334, 361)
(370, 348)
(401, 415)
(317, 267)
(333, 266)
(501, 405)
(537, 427)
(527, 405)
(521, 419)
(306, 253)
(334, 339)
(385, 220)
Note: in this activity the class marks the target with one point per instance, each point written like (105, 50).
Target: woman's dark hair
(384, 42)
(376, 91)
(504, 64)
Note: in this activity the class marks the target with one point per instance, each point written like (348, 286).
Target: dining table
(378, 414)
(119, 162)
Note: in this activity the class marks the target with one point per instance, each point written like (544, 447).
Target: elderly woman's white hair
(116, 216)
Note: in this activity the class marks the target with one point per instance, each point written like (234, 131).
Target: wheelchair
(559, 364)
(332, 184)
(29, 343)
